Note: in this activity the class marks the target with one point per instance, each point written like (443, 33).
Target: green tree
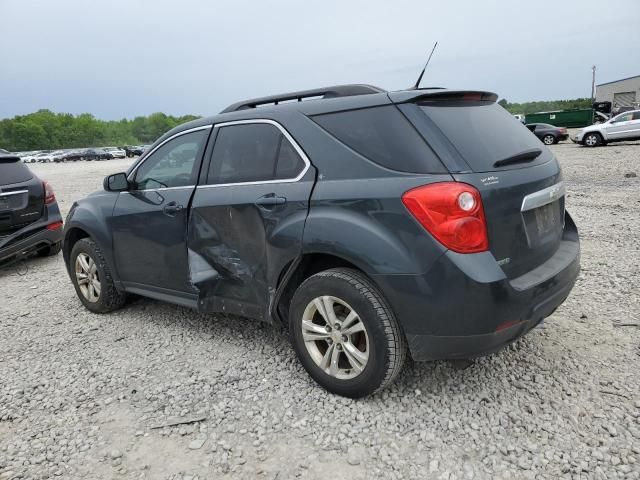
(46, 130)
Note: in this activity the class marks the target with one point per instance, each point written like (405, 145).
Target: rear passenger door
(247, 216)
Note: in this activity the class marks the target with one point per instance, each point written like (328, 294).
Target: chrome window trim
(287, 135)
(543, 197)
(151, 152)
(15, 192)
(160, 189)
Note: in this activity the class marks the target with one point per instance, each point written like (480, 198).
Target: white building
(621, 93)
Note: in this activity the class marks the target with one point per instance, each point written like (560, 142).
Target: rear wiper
(522, 157)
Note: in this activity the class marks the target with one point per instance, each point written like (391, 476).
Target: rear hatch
(518, 178)
(21, 196)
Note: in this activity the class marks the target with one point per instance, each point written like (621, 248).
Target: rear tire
(92, 278)
(592, 139)
(50, 250)
(548, 139)
(345, 334)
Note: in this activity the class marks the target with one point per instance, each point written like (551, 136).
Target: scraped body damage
(237, 249)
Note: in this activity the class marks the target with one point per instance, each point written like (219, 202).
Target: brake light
(49, 196)
(452, 212)
(55, 226)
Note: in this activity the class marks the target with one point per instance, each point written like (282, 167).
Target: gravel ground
(90, 396)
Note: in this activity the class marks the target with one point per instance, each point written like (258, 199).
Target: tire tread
(112, 299)
(395, 338)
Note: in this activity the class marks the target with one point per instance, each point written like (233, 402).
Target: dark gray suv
(372, 223)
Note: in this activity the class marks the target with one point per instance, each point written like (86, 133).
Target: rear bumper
(466, 307)
(32, 237)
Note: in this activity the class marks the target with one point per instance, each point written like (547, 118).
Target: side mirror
(116, 183)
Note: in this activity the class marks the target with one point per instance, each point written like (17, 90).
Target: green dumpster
(562, 118)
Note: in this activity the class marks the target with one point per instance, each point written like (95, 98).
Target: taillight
(49, 196)
(55, 226)
(452, 212)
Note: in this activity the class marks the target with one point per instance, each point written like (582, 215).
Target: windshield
(483, 132)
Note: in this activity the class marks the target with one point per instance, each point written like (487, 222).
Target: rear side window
(14, 171)
(483, 132)
(384, 136)
(254, 152)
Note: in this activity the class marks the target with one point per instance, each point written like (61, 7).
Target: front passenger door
(621, 127)
(149, 222)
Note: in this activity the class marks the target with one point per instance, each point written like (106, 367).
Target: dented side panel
(238, 249)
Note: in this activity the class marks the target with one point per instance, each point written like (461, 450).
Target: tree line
(45, 130)
(546, 105)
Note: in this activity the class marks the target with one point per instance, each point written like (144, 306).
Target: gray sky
(121, 58)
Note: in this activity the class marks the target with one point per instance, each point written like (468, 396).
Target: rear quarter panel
(365, 222)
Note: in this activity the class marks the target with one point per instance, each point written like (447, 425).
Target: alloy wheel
(87, 277)
(335, 337)
(591, 140)
(548, 140)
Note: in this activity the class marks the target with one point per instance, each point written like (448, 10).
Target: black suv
(372, 223)
(30, 220)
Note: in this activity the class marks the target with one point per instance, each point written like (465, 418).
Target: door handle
(172, 208)
(270, 200)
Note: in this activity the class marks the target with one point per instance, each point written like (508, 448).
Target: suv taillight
(452, 212)
(49, 196)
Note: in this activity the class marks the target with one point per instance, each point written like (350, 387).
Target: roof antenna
(415, 87)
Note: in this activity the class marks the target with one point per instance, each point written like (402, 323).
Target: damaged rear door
(247, 216)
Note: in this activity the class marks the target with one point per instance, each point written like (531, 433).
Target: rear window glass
(13, 172)
(384, 136)
(482, 132)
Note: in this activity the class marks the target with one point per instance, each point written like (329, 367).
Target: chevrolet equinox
(373, 224)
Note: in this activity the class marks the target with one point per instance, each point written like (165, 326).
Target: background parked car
(72, 155)
(134, 151)
(549, 134)
(115, 152)
(621, 128)
(58, 156)
(44, 157)
(96, 154)
(28, 157)
(30, 220)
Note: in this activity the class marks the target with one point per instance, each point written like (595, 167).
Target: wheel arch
(298, 270)
(71, 237)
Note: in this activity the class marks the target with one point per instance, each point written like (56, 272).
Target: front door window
(173, 164)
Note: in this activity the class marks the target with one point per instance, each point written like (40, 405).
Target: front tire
(345, 334)
(548, 139)
(92, 278)
(592, 139)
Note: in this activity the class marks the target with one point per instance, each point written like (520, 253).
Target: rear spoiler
(414, 96)
(9, 158)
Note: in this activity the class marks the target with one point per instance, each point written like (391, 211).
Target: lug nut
(337, 326)
(339, 347)
(344, 338)
(328, 328)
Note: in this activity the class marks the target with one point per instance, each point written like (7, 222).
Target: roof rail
(326, 92)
